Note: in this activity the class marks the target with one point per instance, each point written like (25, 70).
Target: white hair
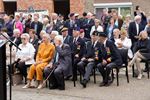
(26, 35)
(44, 32)
(60, 38)
(137, 17)
(90, 14)
(55, 33)
(46, 35)
(16, 31)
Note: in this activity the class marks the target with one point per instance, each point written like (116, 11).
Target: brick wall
(1, 6)
(77, 6)
(144, 4)
(36, 4)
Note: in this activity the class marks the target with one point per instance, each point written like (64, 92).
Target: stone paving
(135, 90)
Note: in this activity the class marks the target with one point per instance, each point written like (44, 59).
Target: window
(122, 8)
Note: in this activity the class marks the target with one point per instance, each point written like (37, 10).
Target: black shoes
(68, 77)
(83, 83)
(102, 84)
(61, 88)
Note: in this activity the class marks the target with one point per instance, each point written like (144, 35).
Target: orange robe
(45, 54)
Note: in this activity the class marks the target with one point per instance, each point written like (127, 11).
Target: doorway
(62, 7)
(10, 7)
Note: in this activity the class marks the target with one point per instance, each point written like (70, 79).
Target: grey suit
(64, 66)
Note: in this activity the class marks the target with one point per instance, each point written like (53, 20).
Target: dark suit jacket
(68, 40)
(132, 30)
(70, 28)
(35, 42)
(58, 26)
(9, 27)
(87, 27)
(65, 60)
(114, 53)
(39, 28)
(120, 22)
(90, 50)
(144, 47)
(17, 42)
(78, 47)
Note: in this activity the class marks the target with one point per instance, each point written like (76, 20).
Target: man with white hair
(62, 60)
(134, 29)
(16, 37)
(53, 35)
(57, 25)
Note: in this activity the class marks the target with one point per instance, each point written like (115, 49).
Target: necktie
(56, 57)
(74, 41)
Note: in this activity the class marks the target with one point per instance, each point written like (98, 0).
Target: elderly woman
(124, 42)
(116, 34)
(142, 52)
(45, 54)
(96, 27)
(26, 55)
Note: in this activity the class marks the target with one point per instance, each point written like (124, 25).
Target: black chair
(147, 63)
(124, 56)
(93, 73)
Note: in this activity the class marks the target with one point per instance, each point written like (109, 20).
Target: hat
(81, 30)
(102, 34)
(64, 29)
(71, 14)
(76, 28)
(95, 33)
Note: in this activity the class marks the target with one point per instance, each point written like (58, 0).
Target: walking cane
(49, 75)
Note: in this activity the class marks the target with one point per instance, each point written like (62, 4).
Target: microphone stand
(10, 69)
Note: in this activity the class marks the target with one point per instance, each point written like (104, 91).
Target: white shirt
(126, 45)
(99, 29)
(137, 28)
(27, 52)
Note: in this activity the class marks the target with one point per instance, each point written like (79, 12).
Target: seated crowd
(58, 49)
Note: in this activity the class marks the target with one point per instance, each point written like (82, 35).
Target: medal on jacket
(96, 53)
(108, 55)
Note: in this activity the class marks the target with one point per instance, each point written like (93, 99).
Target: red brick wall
(37, 5)
(110, 1)
(1, 6)
(77, 6)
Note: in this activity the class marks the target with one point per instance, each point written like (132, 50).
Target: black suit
(78, 48)
(87, 25)
(71, 26)
(91, 52)
(132, 30)
(57, 26)
(17, 41)
(39, 27)
(68, 40)
(109, 51)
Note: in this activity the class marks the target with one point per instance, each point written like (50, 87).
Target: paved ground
(135, 90)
